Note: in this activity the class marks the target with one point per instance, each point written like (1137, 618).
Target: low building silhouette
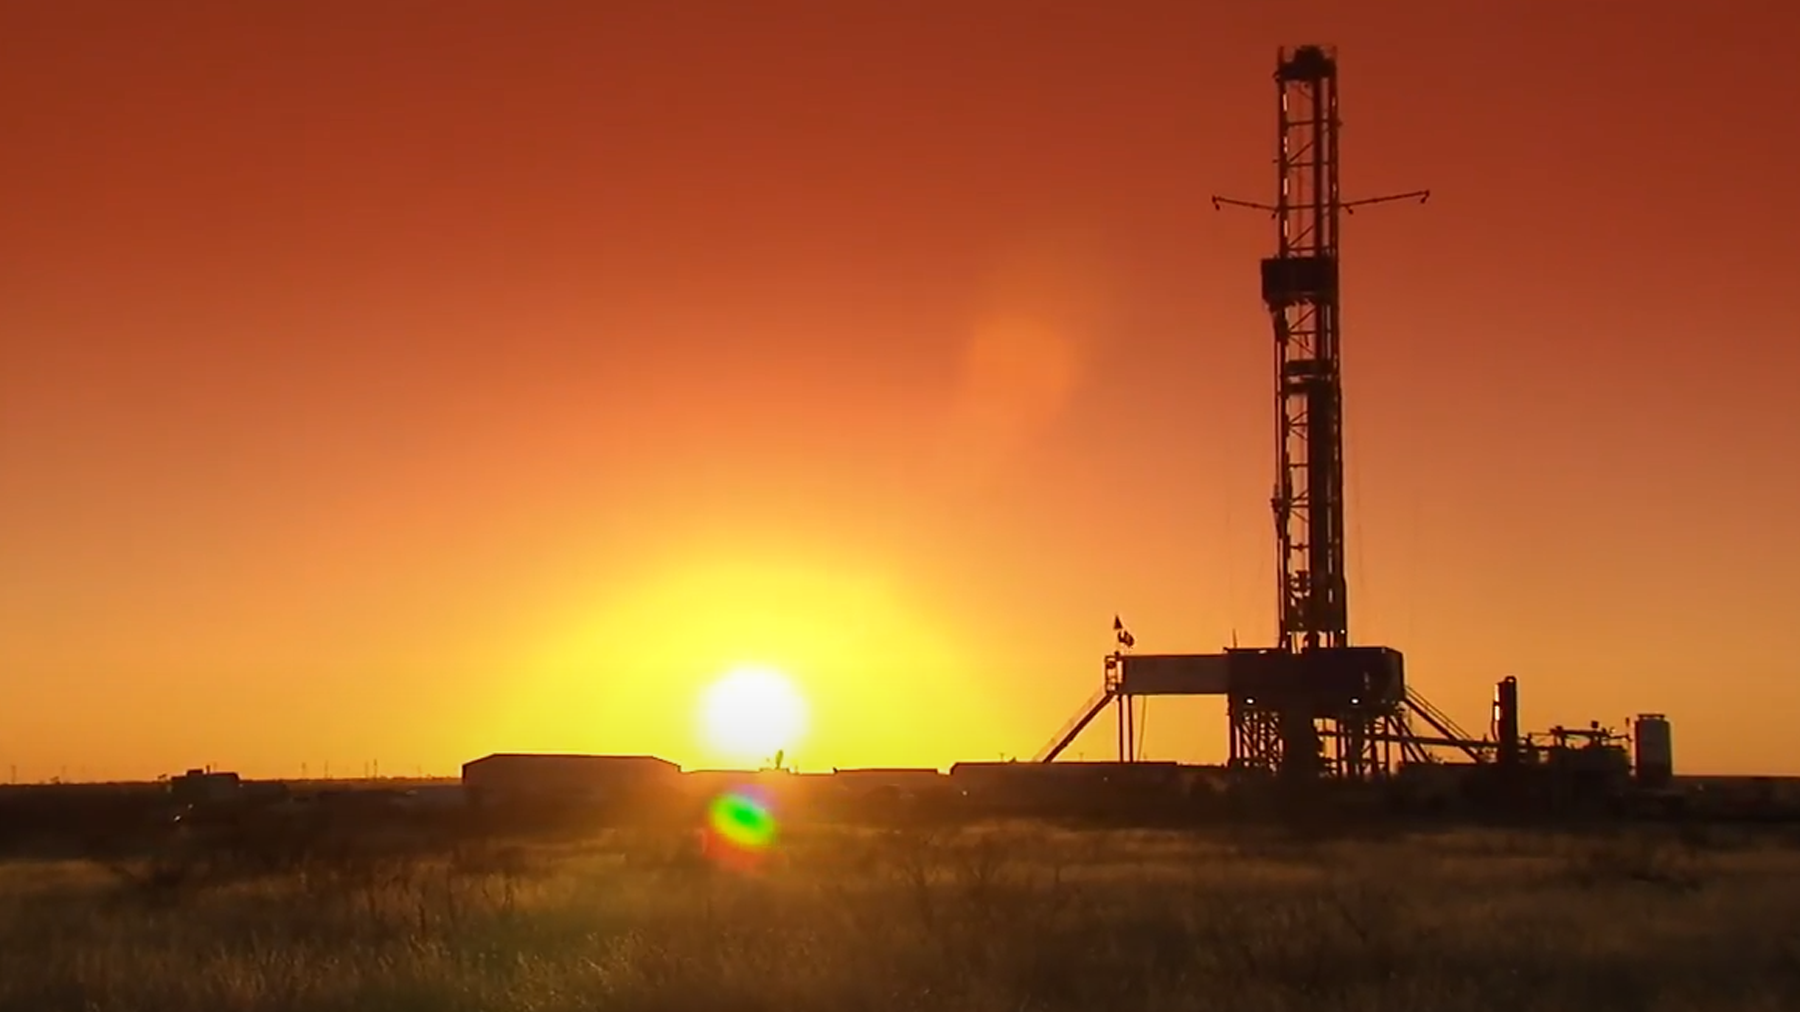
(510, 778)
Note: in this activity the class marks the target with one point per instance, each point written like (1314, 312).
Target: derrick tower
(1283, 728)
(1300, 288)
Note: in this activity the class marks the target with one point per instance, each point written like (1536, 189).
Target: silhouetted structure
(1654, 751)
(547, 778)
(1313, 704)
(202, 786)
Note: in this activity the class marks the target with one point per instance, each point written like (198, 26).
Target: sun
(752, 713)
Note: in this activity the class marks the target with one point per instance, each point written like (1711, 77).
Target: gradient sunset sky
(406, 381)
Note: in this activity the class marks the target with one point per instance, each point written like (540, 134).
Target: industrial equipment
(1314, 705)
(1653, 753)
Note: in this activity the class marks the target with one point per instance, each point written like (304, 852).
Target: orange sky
(408, 381)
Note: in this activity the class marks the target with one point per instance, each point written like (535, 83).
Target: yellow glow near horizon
(624, 670)
(752, 713)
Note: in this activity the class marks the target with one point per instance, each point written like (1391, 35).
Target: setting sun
(752, 713)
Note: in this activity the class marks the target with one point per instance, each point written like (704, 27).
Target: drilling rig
(1312, 705)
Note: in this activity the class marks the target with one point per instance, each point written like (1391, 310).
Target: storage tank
(1506, 721)
(1655, 752)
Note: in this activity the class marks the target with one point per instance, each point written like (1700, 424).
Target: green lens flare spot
(743, 821)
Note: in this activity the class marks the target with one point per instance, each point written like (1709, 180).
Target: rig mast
(1300, 290)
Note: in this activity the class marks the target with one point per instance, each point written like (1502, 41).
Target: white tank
(1655, 758)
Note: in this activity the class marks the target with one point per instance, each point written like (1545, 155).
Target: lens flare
(740, 827)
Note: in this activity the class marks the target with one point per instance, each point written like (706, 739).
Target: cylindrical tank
(1506, 720)
(1655, 751)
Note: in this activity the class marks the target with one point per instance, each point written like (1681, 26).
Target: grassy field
(998, 918)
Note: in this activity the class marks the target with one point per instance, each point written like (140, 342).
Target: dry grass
(1002, 918)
